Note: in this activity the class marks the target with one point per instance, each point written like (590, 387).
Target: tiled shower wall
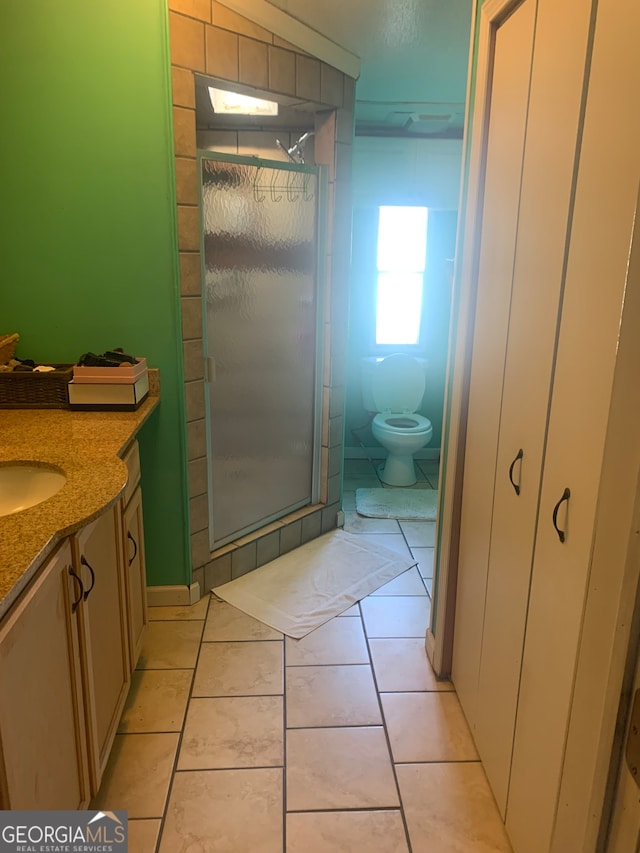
(208, 38)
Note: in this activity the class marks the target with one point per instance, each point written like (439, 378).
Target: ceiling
(413, 59)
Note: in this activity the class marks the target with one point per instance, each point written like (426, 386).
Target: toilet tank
(368, 365)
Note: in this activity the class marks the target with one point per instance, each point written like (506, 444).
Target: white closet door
(509, 92)
(546, 193)
(608, 177)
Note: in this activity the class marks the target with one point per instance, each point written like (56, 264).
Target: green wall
(87, 243)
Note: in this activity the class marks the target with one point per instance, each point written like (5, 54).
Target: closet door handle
(74, 604)
(516, 486)
(85, 562)
(565, 497)
(135, 547)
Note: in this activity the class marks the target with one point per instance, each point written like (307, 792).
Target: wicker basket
(31, 390)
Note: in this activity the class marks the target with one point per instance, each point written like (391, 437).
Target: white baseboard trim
(380, 453)
(176, 596)
(195, 593)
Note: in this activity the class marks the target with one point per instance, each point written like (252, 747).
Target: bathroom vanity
(72, 603)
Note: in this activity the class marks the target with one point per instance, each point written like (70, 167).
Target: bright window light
(402, 239)
(236, 104)
(402, 250)
(399, 308)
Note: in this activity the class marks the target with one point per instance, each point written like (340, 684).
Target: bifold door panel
(537, 83)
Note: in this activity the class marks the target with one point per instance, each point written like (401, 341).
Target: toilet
(394, 387)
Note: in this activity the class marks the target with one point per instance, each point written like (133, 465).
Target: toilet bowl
(394, 386)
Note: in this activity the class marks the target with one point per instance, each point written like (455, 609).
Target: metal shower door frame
(321, 173)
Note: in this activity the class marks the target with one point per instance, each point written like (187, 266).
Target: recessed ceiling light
(223, 101)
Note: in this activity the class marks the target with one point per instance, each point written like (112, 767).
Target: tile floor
(235, 739)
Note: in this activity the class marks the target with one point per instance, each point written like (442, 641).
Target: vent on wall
(428, 123)
(409, 119)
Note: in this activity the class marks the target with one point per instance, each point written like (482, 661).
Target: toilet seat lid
(397, 384)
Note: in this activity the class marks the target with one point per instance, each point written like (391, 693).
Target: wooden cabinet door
(135, 572)
(43, 753)
(555, 99)
(104, 634)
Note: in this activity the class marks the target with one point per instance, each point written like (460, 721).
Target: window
(402, 251)
(225, 102)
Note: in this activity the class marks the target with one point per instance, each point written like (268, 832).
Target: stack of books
(121, 388)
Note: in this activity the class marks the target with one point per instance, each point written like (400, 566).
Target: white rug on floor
(303, 589)
(406, 504)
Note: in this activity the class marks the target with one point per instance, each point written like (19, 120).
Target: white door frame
(621, 825)
(440, 644)
(615, 570)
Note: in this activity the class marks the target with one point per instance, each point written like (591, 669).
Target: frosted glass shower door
(260, 280)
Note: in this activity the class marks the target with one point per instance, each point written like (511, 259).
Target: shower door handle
(210, 369)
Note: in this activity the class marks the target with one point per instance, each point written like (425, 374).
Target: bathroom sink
(24, 485)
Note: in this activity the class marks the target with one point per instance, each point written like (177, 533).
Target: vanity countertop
(85, 446)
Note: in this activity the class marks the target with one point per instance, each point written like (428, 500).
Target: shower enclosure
(262, 343)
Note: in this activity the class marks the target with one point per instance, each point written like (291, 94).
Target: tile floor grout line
(163, 668)
(237, 696)
(412, 692)
(400, 636)
(154, 732)
(300, 665)
(399, 594)
(377, 725)
(387, 738)
(270, 640)
(439, 761)
(424, 583)
(355, 809)
(177, 621)
(226, 769)
(180, 736)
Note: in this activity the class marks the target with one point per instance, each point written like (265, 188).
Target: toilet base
(398, 471)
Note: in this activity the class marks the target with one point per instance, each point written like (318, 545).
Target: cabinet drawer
(131, 459)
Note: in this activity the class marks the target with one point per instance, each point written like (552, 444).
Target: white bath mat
(406, 504)
(303, 589)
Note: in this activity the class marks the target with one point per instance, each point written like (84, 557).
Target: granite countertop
(85, 446)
